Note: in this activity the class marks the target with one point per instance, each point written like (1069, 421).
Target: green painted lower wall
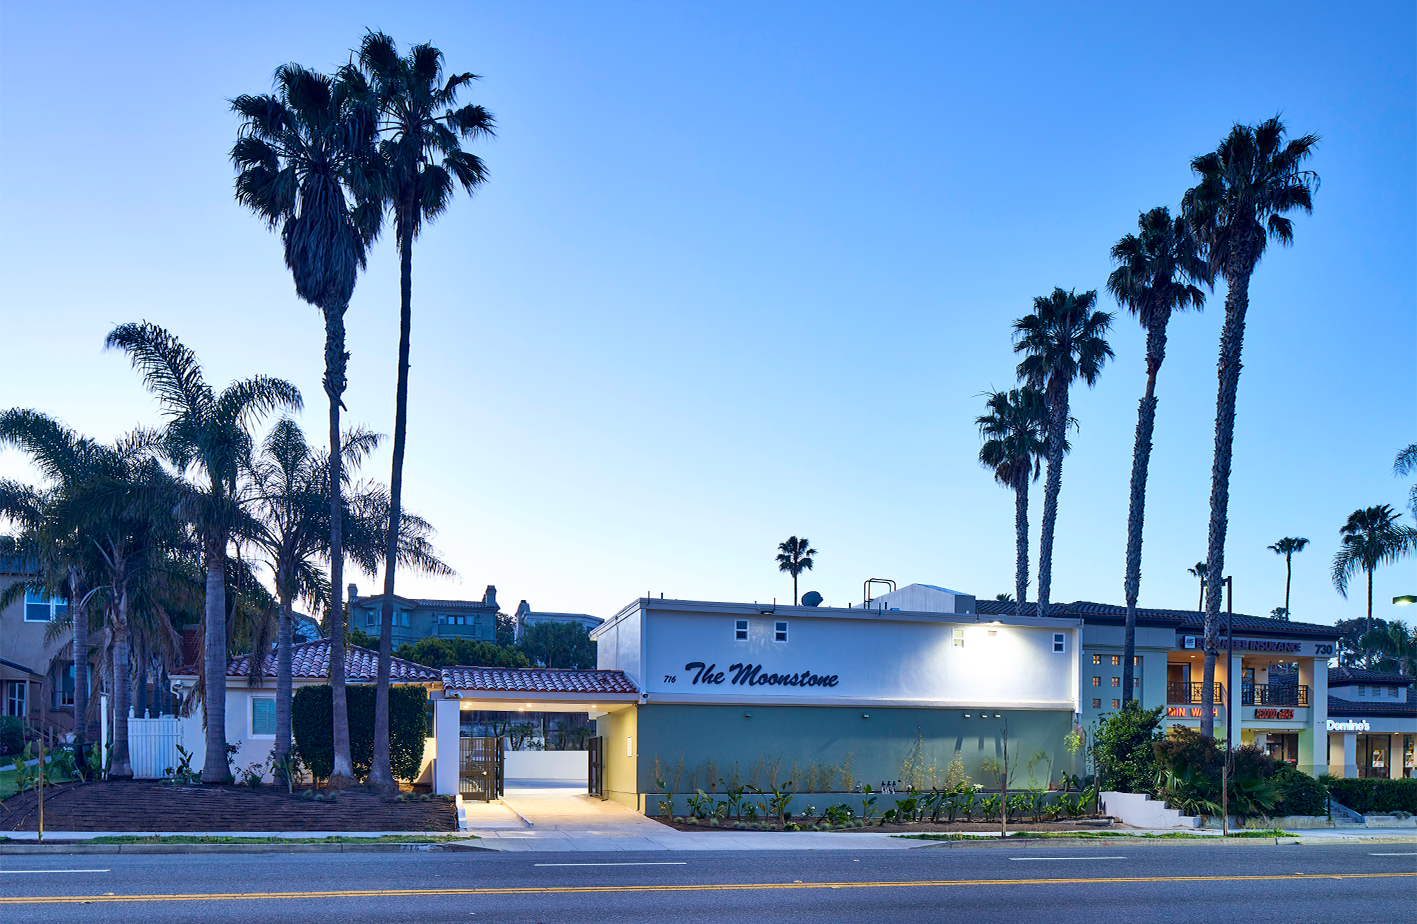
(694, 743)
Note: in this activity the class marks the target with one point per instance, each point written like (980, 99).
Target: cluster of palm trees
(1244, 190)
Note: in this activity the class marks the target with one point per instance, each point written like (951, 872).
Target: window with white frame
(64, 685)
(779, 631)
(1060, 642)
(15, 697)
(263, 715)
(39, 608)
(959, 638)
(740, 630)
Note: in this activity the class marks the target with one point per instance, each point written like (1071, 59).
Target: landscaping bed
(1090, 823)
(152, 806)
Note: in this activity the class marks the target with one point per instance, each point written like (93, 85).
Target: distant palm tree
(1371, 537)
(422, 161)
(1287, 547)
(1398, 642)
(210, 432)
(1063, 340)
(1404, 465)
(1157, 269)
(794, 557)
(1279, 613)
(1198, 572)
(1014, 447)
(1004, 598)
(1246, 186)
(307, 163)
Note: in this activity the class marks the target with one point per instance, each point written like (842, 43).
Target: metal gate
(480, 768)
(152, 745)
(595, 761)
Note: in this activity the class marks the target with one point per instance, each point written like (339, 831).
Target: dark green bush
(1299, 793)
(312, 723)
(1190, 765)
(446, 652)
(1369, 797)
(1125, 748)
(12, 736)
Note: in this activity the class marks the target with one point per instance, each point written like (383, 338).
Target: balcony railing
(446, 628)
(1274, 694)
(1189, 694)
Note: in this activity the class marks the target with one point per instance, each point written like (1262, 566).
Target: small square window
(263, 715)
(1116, 704)
(1097, 659)
(368, 618)
(1059, 641)
(779, 632)
(1116, 681)
(1097, 704)
(959, 638)
(1136, 661)
(38, 608)
(1392, 691)
(1362, 691)
(1116, 660)
(740, 630)
(1097, 681)
(405, 620)
(442, 619)
(1136, 682)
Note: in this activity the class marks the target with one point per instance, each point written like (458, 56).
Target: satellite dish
(811, 598)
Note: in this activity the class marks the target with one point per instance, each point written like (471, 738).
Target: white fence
(152, 745)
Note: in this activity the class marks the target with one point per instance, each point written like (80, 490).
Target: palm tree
(1404, 465)
(1157, 269)
(307, 163)
(1062, 341)
(1397, 641)
(1198, 572)
(1371, 537)
(422, 160)
(795, 556)
(1014, 447)
(211, 433)
(1246, 186)
(1287, 547)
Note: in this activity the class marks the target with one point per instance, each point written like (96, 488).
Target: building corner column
(1313, 741)
(445, 732)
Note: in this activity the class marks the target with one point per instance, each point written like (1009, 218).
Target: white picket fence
(152, 745)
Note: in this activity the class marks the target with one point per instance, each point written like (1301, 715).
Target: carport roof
(535, 680)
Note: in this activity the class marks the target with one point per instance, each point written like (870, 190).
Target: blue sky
(742, 271)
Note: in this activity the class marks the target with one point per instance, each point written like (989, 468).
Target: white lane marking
(13, 872)
(1067, 858)
(1392, 854)
(667, 863)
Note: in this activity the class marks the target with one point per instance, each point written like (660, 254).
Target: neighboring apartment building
(526, 616)
(415, 620)
(36, 676)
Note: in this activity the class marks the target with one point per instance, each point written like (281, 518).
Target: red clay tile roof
(536, 680)
(1343, 676)
(1357, 708)
(312, 660)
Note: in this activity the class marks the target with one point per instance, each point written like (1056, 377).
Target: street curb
(1052, 843)
(76, 849)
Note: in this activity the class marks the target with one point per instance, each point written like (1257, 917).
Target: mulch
(143, 806)
(1085, 823)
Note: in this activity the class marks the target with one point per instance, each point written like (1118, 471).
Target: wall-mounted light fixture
(747, 715)
(865, 715)
(966, 715)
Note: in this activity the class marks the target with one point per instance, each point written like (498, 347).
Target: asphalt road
(1049, 883)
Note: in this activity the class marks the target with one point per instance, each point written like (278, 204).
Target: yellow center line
(707, 887)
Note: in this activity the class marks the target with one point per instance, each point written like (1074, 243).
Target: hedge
(1299, 793)
(1368, 797)
(312, 723)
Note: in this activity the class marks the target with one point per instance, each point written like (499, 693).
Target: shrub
(12, 736)
(1125, 747)
(446, 652)
(1190, 771)
(312, 723)
(1369, 797)
(1299, 793)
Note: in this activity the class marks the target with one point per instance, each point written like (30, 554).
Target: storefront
(1372, 746)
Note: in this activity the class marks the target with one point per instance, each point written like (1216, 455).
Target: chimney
(489, 597)
(353, 592)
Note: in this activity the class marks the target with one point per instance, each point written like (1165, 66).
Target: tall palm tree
(422, 160)
(1404, 465)
(1371, 537)
(1198, 572)
(1157, 269)
(66, 460)
(1245, 188)
(1014, 448)
(1398, 642)
(1063, 340)
(209, 432)
(1287, 547)
(795, 556)
(307, 163)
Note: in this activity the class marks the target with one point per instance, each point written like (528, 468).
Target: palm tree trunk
(1136, 513)
(1020, 542)
(80, 618)
(336, 361)
(140, 676)
(1368, 657)
(120, 768)
(380, 773)
(1232, 339)
(1288, 575)
(214, 766)
(284, 635)
(794, 588)
(1057, 427)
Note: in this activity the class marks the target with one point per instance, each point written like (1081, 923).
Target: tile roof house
(535, 680)
(311, 661)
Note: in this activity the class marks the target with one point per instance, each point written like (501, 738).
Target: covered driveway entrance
(501, 730)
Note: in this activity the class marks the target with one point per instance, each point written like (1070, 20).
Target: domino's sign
(1349, 725)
